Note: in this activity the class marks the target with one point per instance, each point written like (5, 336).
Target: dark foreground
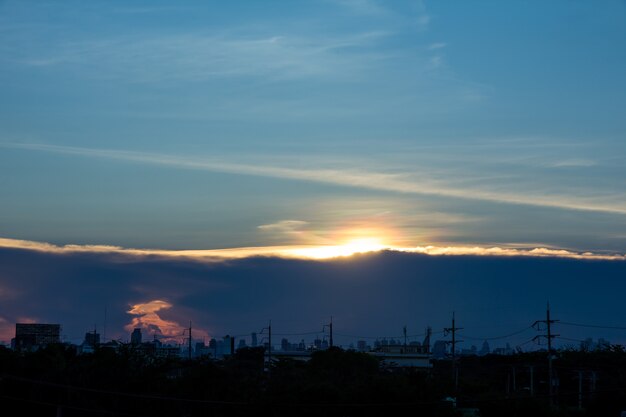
(57, 382)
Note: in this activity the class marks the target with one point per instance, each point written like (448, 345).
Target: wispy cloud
(568, 163)
(437, 45)
(396, 182)
(365, 7)
(197, 56)
(284, 226)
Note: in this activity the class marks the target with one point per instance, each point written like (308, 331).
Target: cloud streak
(199, 57)
(298, 252)
(404, 182)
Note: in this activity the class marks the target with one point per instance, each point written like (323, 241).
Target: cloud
(146, 316)
(576, 163)
(436, 61)
(369, 294)
(397, 182)
(364, 7)
(423, 21)
(437, 45)
(295, 251)
(199, 57)
(284, 226)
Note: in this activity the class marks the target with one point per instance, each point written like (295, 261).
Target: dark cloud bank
(373, 294)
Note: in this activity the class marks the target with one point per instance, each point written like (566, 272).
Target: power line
(498, 337)
(597, 326)
(297, 334)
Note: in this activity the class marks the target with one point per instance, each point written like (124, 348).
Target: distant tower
(426, 342)
(255, 343)
(135, 337)
(92, 339)
(484, 350)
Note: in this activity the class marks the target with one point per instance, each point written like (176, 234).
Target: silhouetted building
(228, 345)
(507, 350)
(254, 342)
(485, 350)
(29, 336)
(472, 351)
(361, 346)
(135, 337)
(317, 343)
(440, 349)
(92, 339)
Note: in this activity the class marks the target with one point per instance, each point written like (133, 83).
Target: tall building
(135, 337)
(255, 342)
(440, 349)
(361, 346)
(92, 339)
(29, 336)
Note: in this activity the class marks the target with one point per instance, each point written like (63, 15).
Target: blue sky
(457, 128)
(445, 122)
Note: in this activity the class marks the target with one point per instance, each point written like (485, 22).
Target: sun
(350, 247)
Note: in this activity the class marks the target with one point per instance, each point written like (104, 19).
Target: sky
(307, 129)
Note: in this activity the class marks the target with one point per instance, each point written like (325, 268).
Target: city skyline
(384, 163)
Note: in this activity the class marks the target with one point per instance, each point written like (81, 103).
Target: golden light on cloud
(349, 247)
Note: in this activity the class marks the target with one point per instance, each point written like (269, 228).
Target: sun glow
(351, 247)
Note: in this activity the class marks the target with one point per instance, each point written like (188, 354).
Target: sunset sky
(304, 129)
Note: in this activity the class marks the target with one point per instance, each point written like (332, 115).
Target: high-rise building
(254, 343)
(484, 350)
(30, 336)
(440, 349)
(92, 339)
(135, 337)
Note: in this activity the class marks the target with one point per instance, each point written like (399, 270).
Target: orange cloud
(146, 317)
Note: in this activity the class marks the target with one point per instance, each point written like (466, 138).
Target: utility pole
(189, 347)
(104, 329)
(452, 330)
(269, 356)
(549, 336)
(330, 329)
(269, 347)
(404, 332)
(532, 380)
(514, 379)
(580, 390)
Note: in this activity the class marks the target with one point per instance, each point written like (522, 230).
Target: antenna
(104, 330)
